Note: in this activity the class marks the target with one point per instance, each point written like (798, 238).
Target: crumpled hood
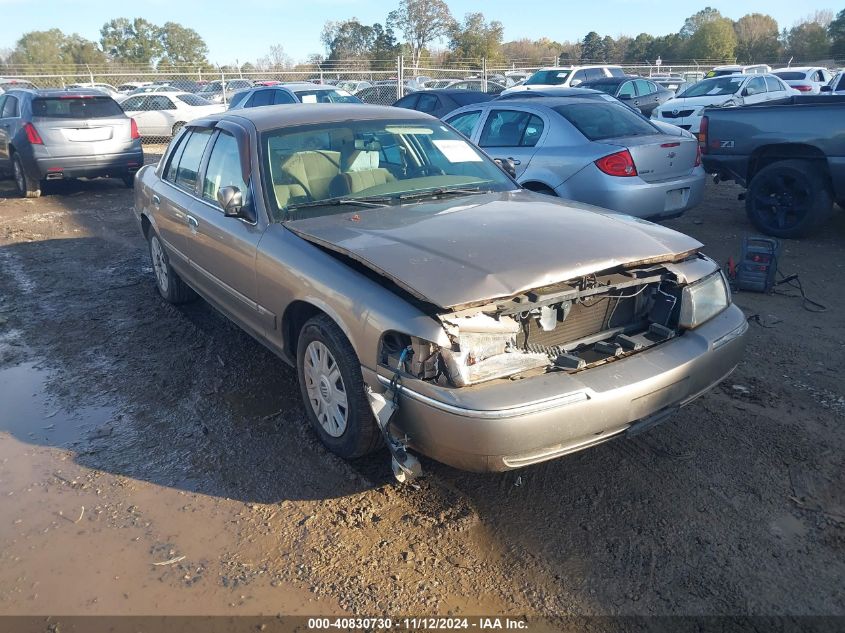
(473, 249)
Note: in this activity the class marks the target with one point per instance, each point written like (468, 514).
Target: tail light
(803, 88)
(698, 156)
(702, 134)
(32, 134)
(134, 129)
(618, 164)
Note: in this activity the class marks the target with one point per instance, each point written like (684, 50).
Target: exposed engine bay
(571, 326)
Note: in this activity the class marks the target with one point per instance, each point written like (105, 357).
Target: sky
(244, 31)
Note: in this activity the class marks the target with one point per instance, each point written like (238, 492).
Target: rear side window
(616, 72)
(260, 98)
(465, 123)
(193, 100)
(409, 101)
(594, 73)
(511, 128)
(75, 107)
(598, 121)
(428, 103)
(645, 87)
(10, 108)
(185, 163)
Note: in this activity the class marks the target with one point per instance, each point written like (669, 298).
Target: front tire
(169, 283)
(333, 390)
(788, 199)
(27, 187)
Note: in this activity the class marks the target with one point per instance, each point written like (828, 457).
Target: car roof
(551, 102)
(276, 116)
(611, 80)
(59, 92)
(800, 69)
(580, 66)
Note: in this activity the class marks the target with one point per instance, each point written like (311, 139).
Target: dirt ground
(156, 460)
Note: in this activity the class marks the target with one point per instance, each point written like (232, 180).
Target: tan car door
(223, 249)
(175, 192)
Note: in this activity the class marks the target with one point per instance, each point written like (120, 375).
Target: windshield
(326, 96)
(717, 87)
(312, 170)
(607, 87)
(791, 75)
(73, 107)
(601, 120)
(214, 86)
(548, 78)
(193, 100)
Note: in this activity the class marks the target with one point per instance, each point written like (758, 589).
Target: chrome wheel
(20, 180)
(159, 264)
(326, 391)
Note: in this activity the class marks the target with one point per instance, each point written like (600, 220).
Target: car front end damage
(550, 371)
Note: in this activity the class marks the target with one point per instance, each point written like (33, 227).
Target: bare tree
(422, 22)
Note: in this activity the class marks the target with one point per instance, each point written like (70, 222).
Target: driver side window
(224, 169)
(755, 87)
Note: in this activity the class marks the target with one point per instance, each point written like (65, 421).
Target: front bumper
(510, 424)
(690, 123)
(634, 196)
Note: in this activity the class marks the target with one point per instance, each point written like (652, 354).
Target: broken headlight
(485, 349)
(704, 299)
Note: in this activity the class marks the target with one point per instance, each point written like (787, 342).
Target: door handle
(192, 221)
(156, 200)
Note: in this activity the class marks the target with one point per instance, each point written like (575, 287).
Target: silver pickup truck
(790, 155)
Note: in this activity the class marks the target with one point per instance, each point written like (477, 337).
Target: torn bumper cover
(500, 425)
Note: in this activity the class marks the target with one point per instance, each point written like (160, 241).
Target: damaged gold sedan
(427, 302)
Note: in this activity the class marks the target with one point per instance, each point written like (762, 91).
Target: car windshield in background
(716, 87)
(70, 107)
(193, 100)
(598, 121)
(319, 170)
(16, 85)
(326, 96)
(605, 87)
(791, 75)
(547, 78)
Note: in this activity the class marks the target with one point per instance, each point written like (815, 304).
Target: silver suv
(55, 134)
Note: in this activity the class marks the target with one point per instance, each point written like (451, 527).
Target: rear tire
(169, 283)
(332, 390)
(27, 187)
(788, 199)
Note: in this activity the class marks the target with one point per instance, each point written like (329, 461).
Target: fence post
(483, 74)
(400, 77)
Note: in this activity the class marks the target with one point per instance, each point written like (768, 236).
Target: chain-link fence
(161, 102)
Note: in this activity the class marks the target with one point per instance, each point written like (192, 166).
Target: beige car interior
(320, 174)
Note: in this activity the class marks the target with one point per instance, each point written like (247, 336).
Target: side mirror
(626, 97)
(232, 201)
(745, 92)
(825, 89)
(575, 82)
(507, 165)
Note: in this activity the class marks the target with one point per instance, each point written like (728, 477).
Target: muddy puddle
(76, 540)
